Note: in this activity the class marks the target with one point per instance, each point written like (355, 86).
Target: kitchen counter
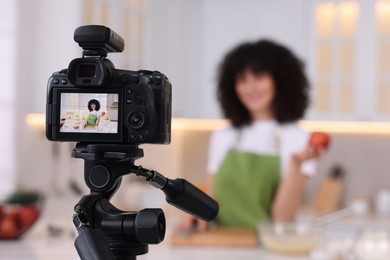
(37, 245)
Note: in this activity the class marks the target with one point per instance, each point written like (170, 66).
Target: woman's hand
(98, 120)
(192, 224)
(318, 143)
(290, 192)
(309, 153)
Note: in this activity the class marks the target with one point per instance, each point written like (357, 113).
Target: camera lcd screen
(89, 113)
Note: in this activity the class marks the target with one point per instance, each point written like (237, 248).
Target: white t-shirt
(261, 137)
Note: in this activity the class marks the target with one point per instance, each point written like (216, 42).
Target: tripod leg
(91, 244)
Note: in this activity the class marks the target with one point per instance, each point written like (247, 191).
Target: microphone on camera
(181, 194)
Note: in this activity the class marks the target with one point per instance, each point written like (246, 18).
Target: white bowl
(288, 238)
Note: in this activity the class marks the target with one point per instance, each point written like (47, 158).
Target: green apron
(91, 120)
(245, 186)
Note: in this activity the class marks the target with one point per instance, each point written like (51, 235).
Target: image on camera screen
(89, 113)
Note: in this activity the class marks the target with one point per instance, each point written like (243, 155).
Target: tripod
(105, 232)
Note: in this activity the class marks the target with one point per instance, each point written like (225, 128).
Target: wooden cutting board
(216, 237)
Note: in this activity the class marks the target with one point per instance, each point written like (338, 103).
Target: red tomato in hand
(103, 113)
(319, 140)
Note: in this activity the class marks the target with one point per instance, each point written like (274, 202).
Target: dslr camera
(93, 102)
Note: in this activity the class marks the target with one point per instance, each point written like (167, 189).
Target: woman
(93, 118)
(258, 166)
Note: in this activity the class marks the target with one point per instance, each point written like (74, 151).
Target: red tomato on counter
(8, 228)
(17, 220)
(2, 213)
(28, 215)
(319, 140)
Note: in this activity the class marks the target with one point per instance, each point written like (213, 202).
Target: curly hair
(93, 101)
(287, 71)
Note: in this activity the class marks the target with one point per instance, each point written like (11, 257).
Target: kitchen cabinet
(197, 35)
(344, 44)
(349, 60)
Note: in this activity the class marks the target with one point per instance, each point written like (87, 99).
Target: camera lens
(136, 120)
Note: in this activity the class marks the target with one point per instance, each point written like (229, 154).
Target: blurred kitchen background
(344, 44)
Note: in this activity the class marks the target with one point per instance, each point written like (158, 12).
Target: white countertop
(37, 244)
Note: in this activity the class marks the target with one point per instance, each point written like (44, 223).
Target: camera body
(93, 102)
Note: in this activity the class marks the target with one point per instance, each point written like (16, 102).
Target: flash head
(98, 40)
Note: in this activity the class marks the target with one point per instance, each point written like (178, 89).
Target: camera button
(150, 80)
(129, 91)
(135, 79)
(129, 101)
(141, 137)
(123, 79)
(132, 137)
(64, 81)
(145, 72)
(56, 81)
(138, 101)
(158, 81)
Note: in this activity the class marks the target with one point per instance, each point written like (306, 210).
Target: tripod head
(106, 232)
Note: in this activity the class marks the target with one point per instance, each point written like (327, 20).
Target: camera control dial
(136, 120)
